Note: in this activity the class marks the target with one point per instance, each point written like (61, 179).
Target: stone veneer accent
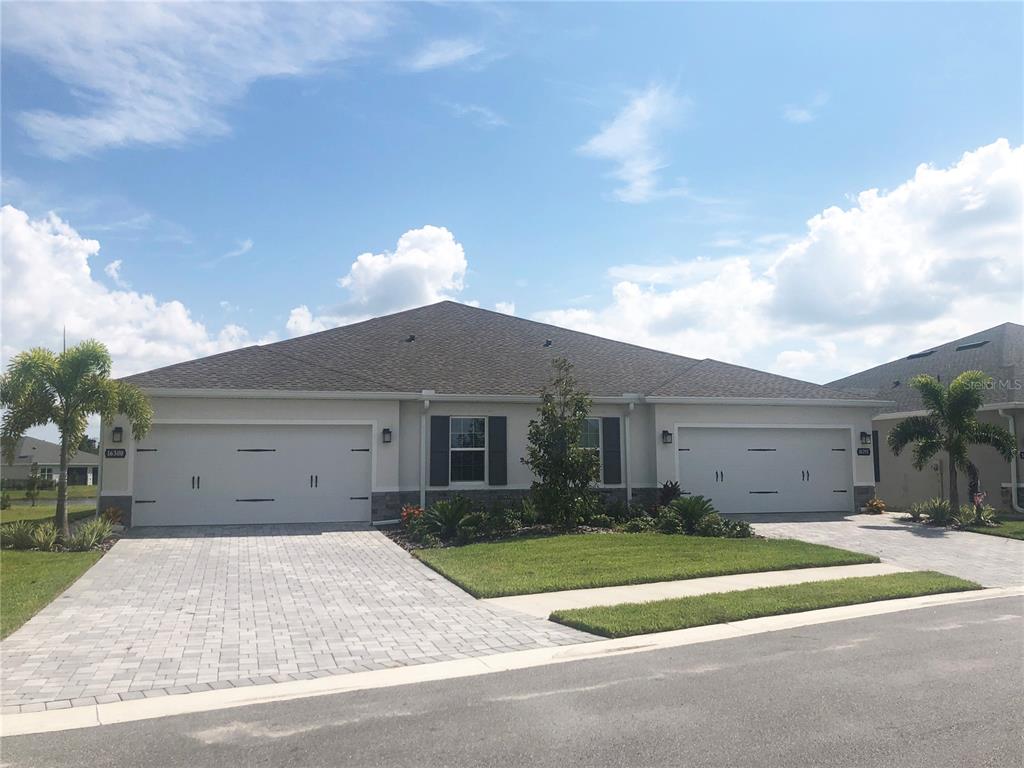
(123, 503)
(862, 494)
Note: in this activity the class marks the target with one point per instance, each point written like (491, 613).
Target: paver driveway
(180, 610)
(992, 561)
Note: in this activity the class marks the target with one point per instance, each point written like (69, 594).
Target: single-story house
(351, 423)
(998, 352)
(83, 466)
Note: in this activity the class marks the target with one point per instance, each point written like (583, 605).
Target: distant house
(998, 352)
(83, 467)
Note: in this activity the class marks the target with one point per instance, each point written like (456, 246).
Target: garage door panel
(765, 470)
(213, 474)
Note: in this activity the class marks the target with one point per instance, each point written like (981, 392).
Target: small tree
(950, 426)
(32, 483)
(42, 387)
(565, 472)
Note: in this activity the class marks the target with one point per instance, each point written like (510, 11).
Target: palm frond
(966, 395)
(995, 436)
(911, 430)
(133, 403)
(924, 451)
(933, 394)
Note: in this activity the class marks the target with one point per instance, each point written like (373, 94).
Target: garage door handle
(199, 481)
(316, 481)
(193, 482)
(310, 481)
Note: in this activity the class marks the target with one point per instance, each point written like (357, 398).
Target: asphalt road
(931, 687)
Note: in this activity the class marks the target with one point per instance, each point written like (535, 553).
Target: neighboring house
(350, 424)
(998, 352)
(83, 467)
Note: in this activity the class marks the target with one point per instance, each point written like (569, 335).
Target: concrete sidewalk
(541, 605)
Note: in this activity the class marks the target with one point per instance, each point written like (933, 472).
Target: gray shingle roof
(1001, 356)
(458, 349)
(32, 449)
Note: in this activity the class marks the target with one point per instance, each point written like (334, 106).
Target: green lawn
(30, 580)
(664, 615)
(44, 512)
(1010, 529)
(74, 492)
(526, 566)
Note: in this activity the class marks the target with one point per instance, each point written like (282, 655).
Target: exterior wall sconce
(385, 435)
(865, 438)
(666, 437)
(117, 435)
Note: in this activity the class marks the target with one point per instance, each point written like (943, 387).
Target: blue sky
(649, 172)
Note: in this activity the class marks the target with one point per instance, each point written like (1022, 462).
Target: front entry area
(241, 474)
(745, 470)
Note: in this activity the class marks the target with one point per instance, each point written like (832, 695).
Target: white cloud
(630, 141)
(158, 74)
(242, 248)
(936, 258)
(443, 53)
(506, 307)
(113, 271)
(481, 116)
(806, 113)
(427, 265)
(48, 285)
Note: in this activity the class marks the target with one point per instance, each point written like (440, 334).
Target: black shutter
(497, 450)
(611, 450)
(874, 448)
(439, 450)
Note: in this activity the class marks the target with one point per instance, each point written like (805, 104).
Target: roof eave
(833, 402)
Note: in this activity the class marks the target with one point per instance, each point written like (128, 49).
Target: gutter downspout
(629, 455)
(1013, 462)
(423, 454)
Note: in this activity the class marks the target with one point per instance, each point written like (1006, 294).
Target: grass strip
(680, 613)
(30, 580)
(1008, 529)
(580, 561)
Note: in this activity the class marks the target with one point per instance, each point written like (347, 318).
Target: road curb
(208, 701)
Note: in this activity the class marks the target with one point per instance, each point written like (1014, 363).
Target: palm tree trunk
(954, 489)
(62, 490)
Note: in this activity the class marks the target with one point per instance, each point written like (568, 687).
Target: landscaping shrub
(18, 535)
(413, 524)
(936, 510)
(669, 492)
(527, 512)
(112, 515)
(964, 516)
(499, 520)
(639, 524)
(875, 506)
(5, 500)
(986, 516)
(89, 535)
(713, 524)
(668, 521)
(470, 528)
(618, 511)
(636, 509)
(690, 510)
(45, 537)
(916, 511)
(443, 518)
(602, 521)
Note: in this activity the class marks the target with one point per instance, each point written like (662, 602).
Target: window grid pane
(591, 434)
(467, 432)
(467, 466)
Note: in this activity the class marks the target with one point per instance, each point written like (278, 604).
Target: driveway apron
(176, 610)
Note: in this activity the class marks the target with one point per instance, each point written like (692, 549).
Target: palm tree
(951, 426)
(42, 387)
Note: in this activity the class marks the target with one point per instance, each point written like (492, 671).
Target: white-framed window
(46, 473)
(467, 449)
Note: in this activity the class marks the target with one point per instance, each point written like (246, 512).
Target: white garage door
(750, 470)
(215, 474)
